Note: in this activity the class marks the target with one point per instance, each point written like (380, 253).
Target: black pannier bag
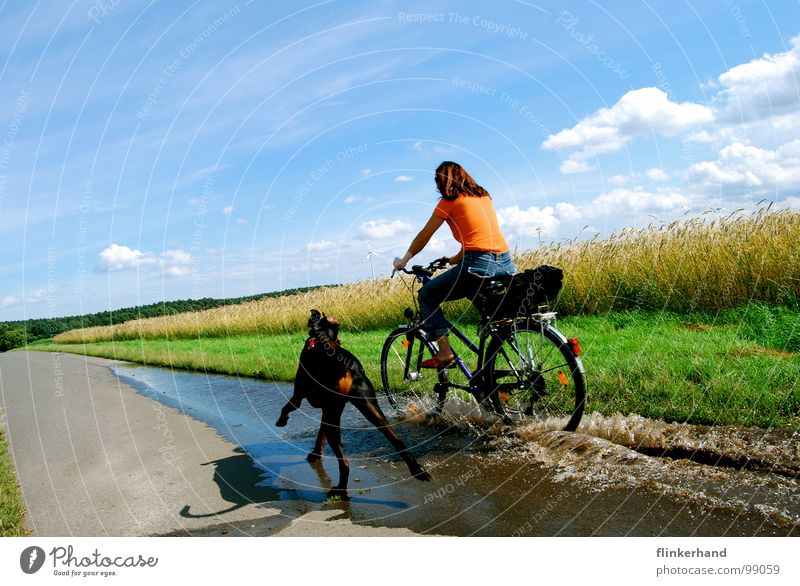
(521, 294)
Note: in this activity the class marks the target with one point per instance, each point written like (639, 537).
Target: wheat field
(699, 264)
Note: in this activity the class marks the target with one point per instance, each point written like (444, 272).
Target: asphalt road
(94, 457)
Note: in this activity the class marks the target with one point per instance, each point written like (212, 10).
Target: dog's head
(322, 327)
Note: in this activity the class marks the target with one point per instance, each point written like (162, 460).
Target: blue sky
(158, 151)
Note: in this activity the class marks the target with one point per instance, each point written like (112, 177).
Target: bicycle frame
(478, 350)
(487, 331)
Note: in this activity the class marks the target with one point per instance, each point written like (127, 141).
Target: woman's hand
(419, 242)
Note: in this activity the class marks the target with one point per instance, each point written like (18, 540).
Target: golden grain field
(695, 265)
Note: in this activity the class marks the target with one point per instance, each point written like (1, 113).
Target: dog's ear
(331, 327)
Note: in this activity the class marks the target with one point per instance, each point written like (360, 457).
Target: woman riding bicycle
(468, 210)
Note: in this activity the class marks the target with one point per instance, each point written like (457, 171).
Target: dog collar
(313, 341)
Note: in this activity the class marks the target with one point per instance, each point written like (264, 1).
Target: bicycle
(525, 366)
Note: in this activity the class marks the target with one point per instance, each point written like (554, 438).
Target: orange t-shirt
(473, 222)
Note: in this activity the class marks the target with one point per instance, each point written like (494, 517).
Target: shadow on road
(240, 483)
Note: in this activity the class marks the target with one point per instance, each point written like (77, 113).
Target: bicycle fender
(562, 339)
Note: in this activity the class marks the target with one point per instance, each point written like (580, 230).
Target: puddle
(614, 476)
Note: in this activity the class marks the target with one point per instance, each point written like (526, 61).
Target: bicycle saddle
(495, 284)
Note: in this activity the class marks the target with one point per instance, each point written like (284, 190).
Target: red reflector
(576, 347)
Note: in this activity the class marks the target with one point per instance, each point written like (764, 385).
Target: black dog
(329, 377)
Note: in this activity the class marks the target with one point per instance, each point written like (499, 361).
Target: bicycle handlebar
(420, 271)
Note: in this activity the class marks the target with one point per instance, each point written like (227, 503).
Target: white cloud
(755, 108)
(403, 178)
(8, 301)
(228, 210)
(568, 212)
(572, 166)
(530, 222)
(741, 166)
(618, 180)
(701, 136)
(351, 199)
(656, 174)
(321, 245)
(122, 258)
(384, 228)
(177, 257)
(36, 296)
(618, 203)
(790, 152)
(712, 174)
(762, 88)
(624, 201)
(366, 172)
(174, 263)
(442, 245)
(417, 146)
(177, 271)
(709, 84)
(639, 112)
(241, 221)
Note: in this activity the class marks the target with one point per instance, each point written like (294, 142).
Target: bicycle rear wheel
(406, 384)
(533, 371)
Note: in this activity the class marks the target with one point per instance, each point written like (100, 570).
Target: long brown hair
(452, 180)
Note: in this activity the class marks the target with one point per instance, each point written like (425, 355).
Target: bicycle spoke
(537, 374)
(405, 383)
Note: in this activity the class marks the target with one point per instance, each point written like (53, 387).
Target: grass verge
(724, 369)
(12, 509)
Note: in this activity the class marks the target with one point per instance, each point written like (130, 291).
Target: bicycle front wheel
(405, 383)
(533, 371)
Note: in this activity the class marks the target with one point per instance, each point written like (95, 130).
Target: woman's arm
(420, 240)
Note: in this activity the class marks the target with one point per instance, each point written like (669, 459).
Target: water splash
(740, 470)
(734, 469)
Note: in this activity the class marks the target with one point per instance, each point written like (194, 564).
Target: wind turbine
(370, 254)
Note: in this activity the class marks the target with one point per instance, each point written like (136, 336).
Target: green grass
(12, 510)
(665, 366)
(739, 367)
(272, 357)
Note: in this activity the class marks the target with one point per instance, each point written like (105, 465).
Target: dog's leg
(376, 417)
(301, 387)
(319, 445)
(292, 405)
(331, 426)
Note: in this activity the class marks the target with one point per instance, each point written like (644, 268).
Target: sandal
(437, 363)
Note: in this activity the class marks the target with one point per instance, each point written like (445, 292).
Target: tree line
(15, 334)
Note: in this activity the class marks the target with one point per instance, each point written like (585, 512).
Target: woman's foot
(438, 362)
